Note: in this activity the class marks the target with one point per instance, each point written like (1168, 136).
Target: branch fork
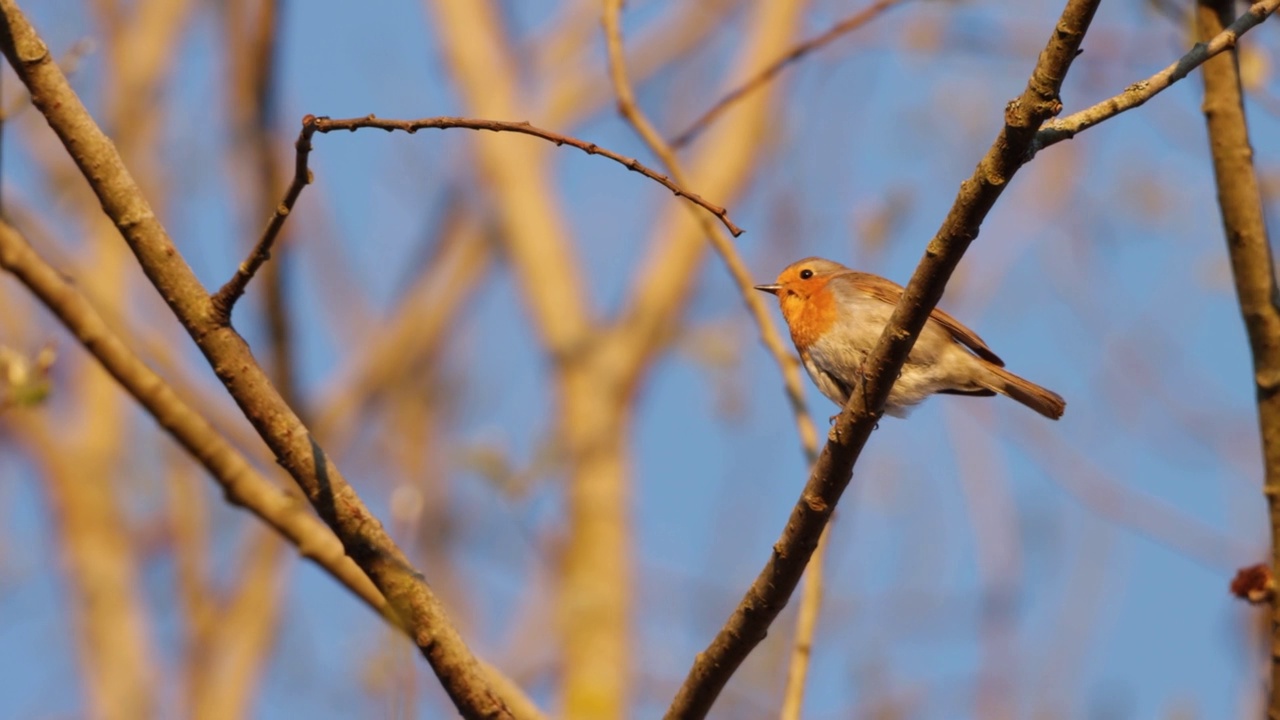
(225, 298)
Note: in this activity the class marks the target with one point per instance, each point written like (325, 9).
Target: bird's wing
(891, 292)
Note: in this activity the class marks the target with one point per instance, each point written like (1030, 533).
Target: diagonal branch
(766, 75)
(235, 474)
(1245, 227)
(1055, 131)
(363, 537)
(747, 626)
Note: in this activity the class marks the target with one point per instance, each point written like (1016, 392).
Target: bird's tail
(1043, 400)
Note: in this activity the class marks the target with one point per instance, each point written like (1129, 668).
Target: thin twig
(1249, 248)
(842, 27)
(226, 297)
(772, 340)
(747, 626)
(1055, 131)
(226, 675)
(259, 79)
(326, 125)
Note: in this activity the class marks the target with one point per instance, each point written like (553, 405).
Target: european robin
(836, 316)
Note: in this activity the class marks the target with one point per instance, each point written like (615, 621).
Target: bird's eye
(805, 274)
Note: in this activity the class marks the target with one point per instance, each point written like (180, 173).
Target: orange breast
(810, 315)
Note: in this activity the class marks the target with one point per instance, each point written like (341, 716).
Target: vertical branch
(806, 625)
(662, 286)
(188, 526)
(1240, 202)
(100, 562)
(102, 567)
(227, 677)
(242, 485)
(251, 29)
(232, 668)
(536, 235)
(720, 168)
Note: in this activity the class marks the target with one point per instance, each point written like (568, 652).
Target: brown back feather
(891, 292)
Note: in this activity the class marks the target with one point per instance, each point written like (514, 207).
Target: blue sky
(1078, 568)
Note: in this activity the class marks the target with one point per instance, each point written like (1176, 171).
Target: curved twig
(326, 125)
(226, 297)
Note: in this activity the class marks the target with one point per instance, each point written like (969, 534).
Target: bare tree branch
(593, 584)
(1244, 224)
(225, 299)
(322, 482)
(420, 325)
(102, 563)
(326, 125)
(1057, 130)
(256, 51)
(747, 626)
(228, 674)
(243, 486)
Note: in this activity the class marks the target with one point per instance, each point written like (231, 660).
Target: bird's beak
(771, 289)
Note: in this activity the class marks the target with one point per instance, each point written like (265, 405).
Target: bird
(836, 315)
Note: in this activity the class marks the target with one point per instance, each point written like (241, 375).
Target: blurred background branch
(1249, 249)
